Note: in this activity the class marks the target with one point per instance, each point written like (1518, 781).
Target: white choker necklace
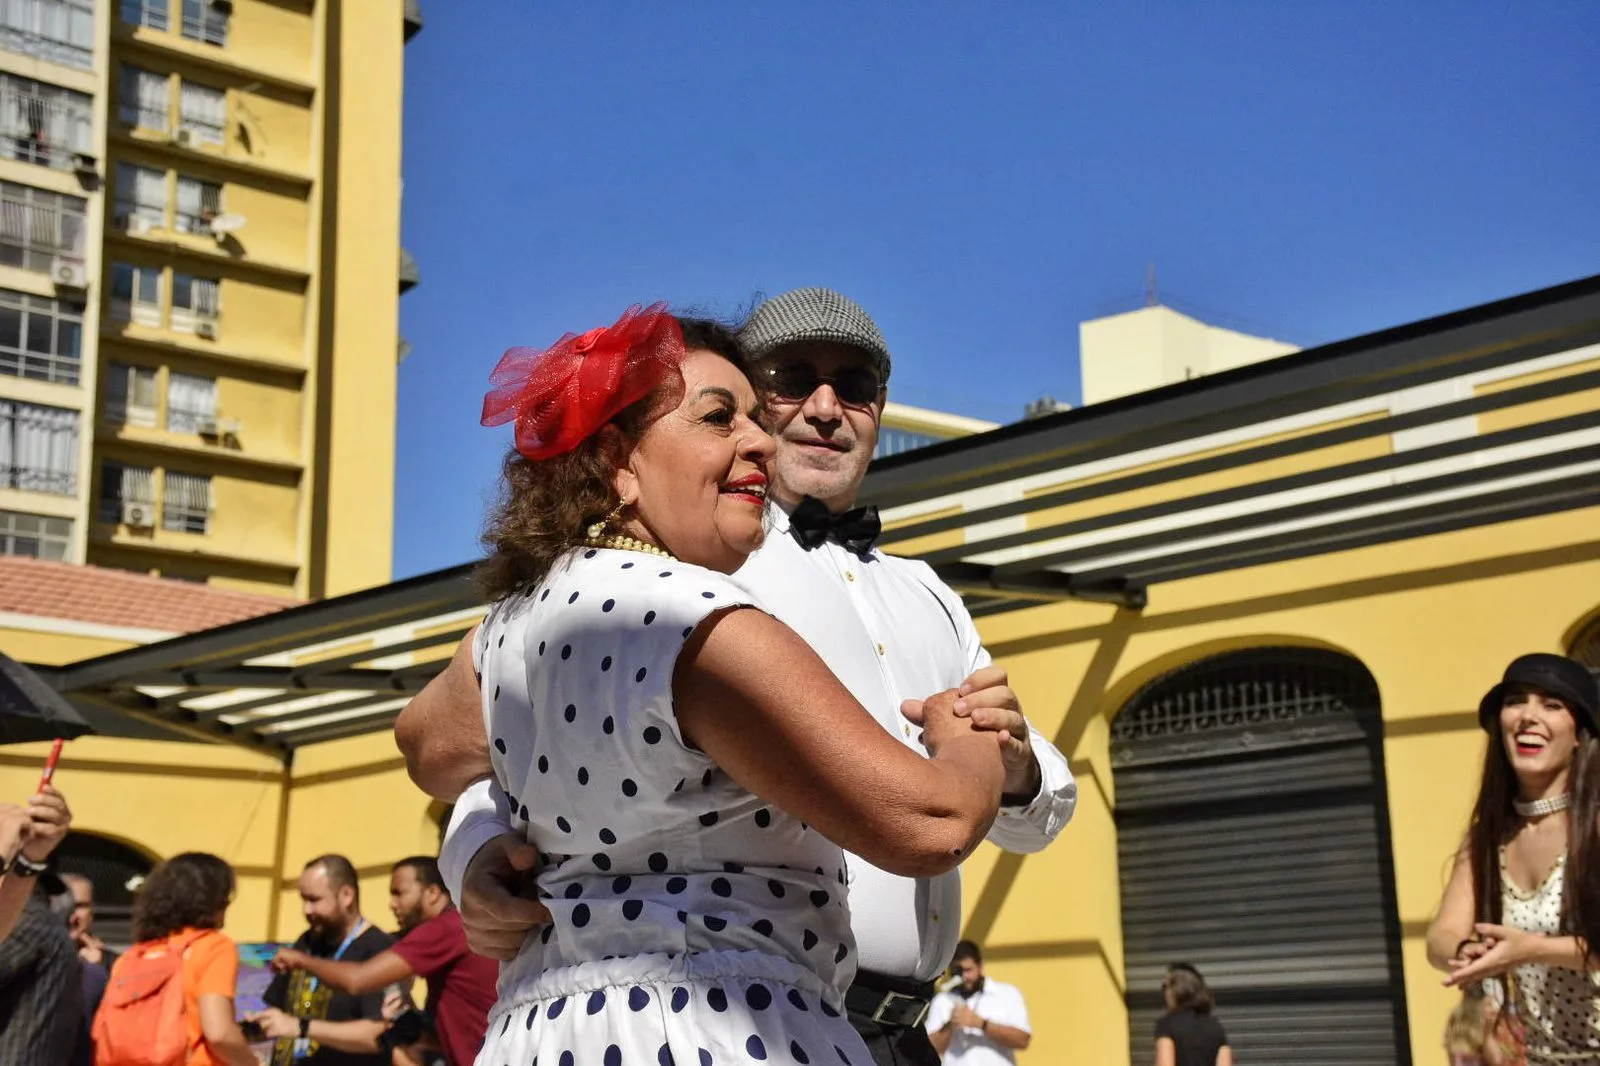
(1543, 806)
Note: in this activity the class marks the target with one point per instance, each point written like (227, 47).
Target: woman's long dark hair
(188, 891)
(1494, 821)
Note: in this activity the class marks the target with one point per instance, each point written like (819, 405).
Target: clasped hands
(498, 904)
(1491, 951)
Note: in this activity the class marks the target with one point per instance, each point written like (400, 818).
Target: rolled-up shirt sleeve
(482, 813)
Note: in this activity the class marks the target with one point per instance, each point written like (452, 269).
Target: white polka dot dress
(1557, 1005)
(694, 923)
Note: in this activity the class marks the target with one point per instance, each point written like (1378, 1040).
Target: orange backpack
(143, 1019)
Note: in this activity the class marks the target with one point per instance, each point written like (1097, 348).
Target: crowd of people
(715, 762)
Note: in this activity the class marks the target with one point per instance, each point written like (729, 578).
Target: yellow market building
(1256, 609)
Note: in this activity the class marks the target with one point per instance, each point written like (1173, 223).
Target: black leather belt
(897, 1002)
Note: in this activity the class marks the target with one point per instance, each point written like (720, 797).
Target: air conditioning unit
(185, 138)
(69, 273)
(208, 427)
(138, 515)
(224, 7)
(84, 163)
(137, 225)
(207, 328)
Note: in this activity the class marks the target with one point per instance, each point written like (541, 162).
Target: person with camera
(976, 1021)
(314, 1023)
(433, 946)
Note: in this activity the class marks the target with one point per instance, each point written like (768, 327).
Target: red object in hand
(559, 396)
(50, 763)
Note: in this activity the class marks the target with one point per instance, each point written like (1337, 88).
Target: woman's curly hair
(188, 891)
(545, 505)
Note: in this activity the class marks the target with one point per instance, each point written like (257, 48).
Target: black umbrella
(31, 710)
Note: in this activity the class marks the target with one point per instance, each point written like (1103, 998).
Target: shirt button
(849, 575)
(880, 648)
(906, 729)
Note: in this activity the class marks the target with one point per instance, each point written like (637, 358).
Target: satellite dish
(224, 224)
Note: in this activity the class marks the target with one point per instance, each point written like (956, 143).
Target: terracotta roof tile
(103, 596)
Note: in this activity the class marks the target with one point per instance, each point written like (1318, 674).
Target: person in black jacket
(1188, 1034)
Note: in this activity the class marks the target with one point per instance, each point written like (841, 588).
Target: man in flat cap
(887, 627)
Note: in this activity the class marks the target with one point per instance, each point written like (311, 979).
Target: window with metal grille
(38, 448)
(194, 300)
(191, 403)
(895, 441)
(144, 99)
(35, 536)
(40, 338)
(135, 294)
(122, 485)
(198, 203)
(44, 124)
(131, 394)
(186, 503)
(151, 13)
(202, 112)
(59, 31)
(205, 21)
(141, 195)
(116, 871)
(39, 227)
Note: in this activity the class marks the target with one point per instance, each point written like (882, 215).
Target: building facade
(199, 263)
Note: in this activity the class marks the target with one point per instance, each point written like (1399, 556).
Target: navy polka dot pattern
(1558, 1005)
(693, 868)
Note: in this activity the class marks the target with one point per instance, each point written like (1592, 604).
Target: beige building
(1154, 346)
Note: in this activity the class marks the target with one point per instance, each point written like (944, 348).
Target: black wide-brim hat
(1558, 675)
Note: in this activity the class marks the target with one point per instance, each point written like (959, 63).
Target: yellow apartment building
(199, 264)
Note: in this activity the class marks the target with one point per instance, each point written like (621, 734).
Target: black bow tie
(855, 530)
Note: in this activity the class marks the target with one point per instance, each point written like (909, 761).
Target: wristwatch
(23, 866)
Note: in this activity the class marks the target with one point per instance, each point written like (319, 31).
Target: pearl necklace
(623, 542)
(1538, 807)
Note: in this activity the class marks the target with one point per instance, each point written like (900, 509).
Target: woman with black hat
(1524, 899)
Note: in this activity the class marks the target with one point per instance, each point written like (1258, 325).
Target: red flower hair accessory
(562, 395)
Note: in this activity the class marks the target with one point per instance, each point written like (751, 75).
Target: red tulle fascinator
(561, 395)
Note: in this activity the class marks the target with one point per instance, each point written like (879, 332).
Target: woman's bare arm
(440, 732)
(754, 697)
(1457, 913)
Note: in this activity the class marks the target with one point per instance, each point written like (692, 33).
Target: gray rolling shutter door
(1253, 843)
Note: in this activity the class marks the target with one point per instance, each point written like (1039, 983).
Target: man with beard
(433, 946)
(313, 1023)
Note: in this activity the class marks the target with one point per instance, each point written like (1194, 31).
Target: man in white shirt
(978, 1021)
(890, 630)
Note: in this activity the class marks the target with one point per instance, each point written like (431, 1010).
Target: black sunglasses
(856, 386)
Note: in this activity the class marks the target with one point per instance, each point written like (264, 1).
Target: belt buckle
(889, 999)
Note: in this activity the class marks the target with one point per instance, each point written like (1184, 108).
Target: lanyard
(302, 1048)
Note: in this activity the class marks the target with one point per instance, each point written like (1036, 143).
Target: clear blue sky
(980, 177)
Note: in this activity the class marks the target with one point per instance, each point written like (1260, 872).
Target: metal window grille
(131, 395)
(151, 13)
(141, 193)
(186, 503)
(144, 99)
(121, 484)
(44, 124)
(59, 31)
(135, 294)
(191, 403)
(40, 338)
(205, 21)
(203, 112)
(38, 448)
(198, 203)
(35, 536)
(37, 227)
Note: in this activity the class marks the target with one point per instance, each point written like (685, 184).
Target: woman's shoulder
(624, 589)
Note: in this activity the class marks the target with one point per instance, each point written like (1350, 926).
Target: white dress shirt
(890, 630)
(995, 1002)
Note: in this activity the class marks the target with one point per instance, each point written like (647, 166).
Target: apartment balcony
(56, 482)
(56, 31)
(45, 125)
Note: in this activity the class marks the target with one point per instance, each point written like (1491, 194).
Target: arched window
(1586, 645)
(115, 870)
